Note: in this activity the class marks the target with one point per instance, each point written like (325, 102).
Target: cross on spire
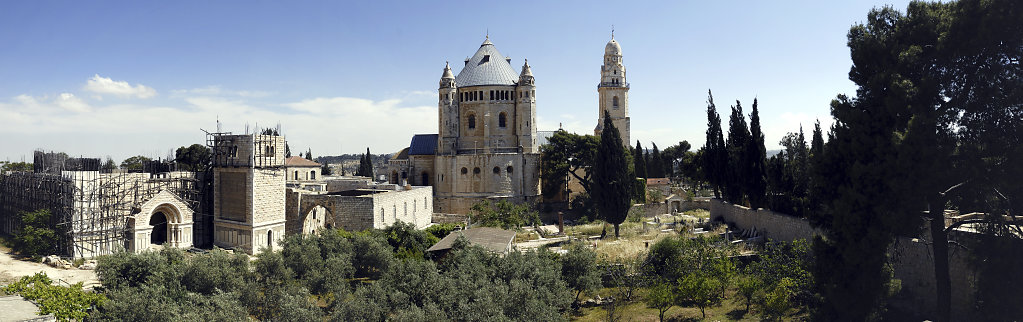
(612, 31)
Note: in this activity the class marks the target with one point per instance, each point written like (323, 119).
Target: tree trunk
(939, 246)
(616, 231)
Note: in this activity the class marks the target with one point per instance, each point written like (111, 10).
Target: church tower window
(502, 119)
(472, 121)
(614, 102)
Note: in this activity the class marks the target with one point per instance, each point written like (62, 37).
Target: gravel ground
(12, 269)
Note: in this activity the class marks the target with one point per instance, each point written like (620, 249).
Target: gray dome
(487, 67)
(613, 48)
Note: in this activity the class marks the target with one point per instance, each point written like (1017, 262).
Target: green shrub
(38, 237)
(66, 303)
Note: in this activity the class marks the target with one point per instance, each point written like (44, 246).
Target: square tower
(248, 190)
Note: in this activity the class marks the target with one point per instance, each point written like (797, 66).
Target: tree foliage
(579, 269)
(566, 154)
(639, 159)
(195, 157)
(503, 214)
(613, 184)
(66, 303)
(736, 146)
(715, 155)
(135, 163)
(39, 236)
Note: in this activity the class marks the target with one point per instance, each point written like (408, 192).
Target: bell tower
(613, 91)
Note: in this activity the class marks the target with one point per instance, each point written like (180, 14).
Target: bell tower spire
(613, 90)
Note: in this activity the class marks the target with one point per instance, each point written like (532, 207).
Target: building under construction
(97, 212)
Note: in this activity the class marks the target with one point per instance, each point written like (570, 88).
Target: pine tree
(639, 158)
(738, 138)
(612, 182)
(756, 163)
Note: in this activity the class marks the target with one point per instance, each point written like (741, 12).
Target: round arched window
(472, 121)
(497, 170)
(476, 171)
(464, 170)
(509, 169)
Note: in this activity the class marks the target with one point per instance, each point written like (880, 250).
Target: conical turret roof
(487, 67)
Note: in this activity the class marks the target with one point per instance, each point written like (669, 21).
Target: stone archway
(159, 223)
(162, 220)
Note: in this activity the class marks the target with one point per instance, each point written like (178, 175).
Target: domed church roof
(487, 67)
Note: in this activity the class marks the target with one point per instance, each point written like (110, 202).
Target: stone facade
(249, 196)
(613, 91)
(487, 145)
(359, 209)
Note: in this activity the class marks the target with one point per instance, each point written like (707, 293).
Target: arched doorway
(159, 223)
(426, 179)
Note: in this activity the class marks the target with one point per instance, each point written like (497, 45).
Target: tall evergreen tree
(656, 169)
(639, 159)
(715, 157)
(612, 182)
(756, 164)
(738, 138)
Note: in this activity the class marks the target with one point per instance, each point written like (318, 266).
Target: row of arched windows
(473, 96)
(470, 96)
(476, 170)
(502, 120)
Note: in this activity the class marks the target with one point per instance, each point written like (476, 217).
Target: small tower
(527, 108)
(248, 190)
(613, 91)
(448, 109)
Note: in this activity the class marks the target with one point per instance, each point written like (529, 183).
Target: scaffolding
(92, 210)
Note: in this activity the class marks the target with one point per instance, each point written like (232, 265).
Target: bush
(503, 214)
(65, 303)
(38, 237)
(579, 269)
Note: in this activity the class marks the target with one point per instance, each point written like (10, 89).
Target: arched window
(472, 121)
(491, 95)
(502, 119)
(509, 169)
(270, 239)
(426, 179)
(296, 176)
(464, 170)
(476, 170)
(497, 170)
(312, 175)
(614, 102)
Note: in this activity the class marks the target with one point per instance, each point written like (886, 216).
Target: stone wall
(913, 261)
(355, 213)
(771, 224)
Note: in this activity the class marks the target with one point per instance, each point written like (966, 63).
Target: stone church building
(614, 92)
(487, 148)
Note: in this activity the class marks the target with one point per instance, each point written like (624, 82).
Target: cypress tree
(612, 182)
(639, 158)
(714, 156)
(656, 169)
(738, 138)
(756, 155)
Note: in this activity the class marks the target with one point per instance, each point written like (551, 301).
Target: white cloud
(102, 85)
(69, 102)
(324, 124)
(216, 90)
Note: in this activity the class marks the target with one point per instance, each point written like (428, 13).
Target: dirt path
(12, 269)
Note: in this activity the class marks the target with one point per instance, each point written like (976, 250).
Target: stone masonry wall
(913, 264)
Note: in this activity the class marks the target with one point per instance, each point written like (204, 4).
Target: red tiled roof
(657, 181)
(297, 161)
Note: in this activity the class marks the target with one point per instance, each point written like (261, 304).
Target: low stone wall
(770, 224)
(913, 264)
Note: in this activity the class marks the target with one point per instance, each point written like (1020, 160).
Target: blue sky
(142, 78)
